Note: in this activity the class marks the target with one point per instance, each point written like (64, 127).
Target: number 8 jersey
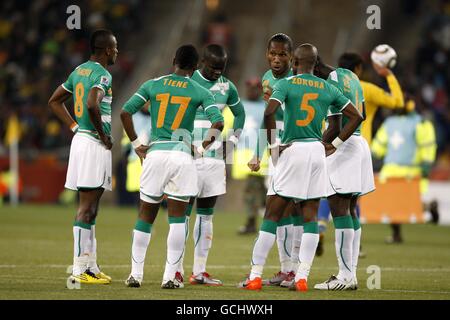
(86, 76)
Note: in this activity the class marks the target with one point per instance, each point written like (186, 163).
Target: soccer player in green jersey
(168, 166)
(289, 230)
(350, 174)
(300, 165)
(211, 167)
(89, 170)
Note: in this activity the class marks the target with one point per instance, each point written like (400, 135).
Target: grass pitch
(36, 249)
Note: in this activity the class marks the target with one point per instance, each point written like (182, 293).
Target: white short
(301, 172)
(269, 179)
(89, 164)
(350, 168)
(168, 172)
(211, 177)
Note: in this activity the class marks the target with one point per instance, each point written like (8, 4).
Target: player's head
(351, 61)
(305, 58)
(279, 53)
(321, 69)
(186, 58)
(214, 61)
(104, 43)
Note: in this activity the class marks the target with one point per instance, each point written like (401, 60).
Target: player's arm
(94, 99)
(133, 105)
(237, 109)
(56, 103)
(215, 117)
(354, 120)
(334, 127)
(378, 96)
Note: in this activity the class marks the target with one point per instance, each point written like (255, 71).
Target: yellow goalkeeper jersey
(375, 97)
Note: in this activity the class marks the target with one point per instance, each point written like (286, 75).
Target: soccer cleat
(334, 284)
(205, 279)
(88, 278)
(171, 284)
(300, 285)
(276, 280)
(354, 285)
(255, 284)
(102, 275)
(180, 279)
(289, 280)
(132, 282)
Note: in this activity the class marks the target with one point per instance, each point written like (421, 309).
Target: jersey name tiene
(86, 76)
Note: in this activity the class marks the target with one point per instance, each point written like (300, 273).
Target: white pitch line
(218, 267)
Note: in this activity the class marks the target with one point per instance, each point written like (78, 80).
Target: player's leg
(86, 215)
(148, 210)
(297, 226)
(323, 217)
(180, 273)
(308, 245)
(284, 238)
(275, 206)
(354, 211)
(344, 234)
(92, 247)
(176, 240)
(203, 235)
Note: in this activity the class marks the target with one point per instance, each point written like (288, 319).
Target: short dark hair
(281, 37)
(186, 57)
(214, 49)
(100, 40)
(350, 61)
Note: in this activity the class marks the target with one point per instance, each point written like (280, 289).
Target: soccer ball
(384, 55)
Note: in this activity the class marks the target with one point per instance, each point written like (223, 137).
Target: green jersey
(89, 75)
(225, 94)
(348, 83)
(174, 101)
(307, 99)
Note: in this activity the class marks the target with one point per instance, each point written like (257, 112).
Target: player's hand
(194, 152)
(254, 164)
(382, 71)
(141, 151)
(107, 141)
(329, 148)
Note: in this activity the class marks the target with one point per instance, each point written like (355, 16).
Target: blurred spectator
(37, 52)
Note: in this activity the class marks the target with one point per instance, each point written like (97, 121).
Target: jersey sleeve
(137, 100)
(102, 80)
(233, 97)
(338, 100)
(210, 108)
(68, 85)
(279, 92)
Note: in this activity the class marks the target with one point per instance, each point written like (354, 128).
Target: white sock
(296, 242)
(92, 248)
(139, 247)
(203, 234)
(308, 248)
(175, 248)
(344, 246)
(355, 253)
(261, 249)
(284, 243)
(80, 248)
(181, 265)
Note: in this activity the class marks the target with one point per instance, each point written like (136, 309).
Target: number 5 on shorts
(164, 99)
(309, 109)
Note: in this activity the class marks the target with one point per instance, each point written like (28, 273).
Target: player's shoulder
(267, 75)
(197, 87)
(230, 83)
